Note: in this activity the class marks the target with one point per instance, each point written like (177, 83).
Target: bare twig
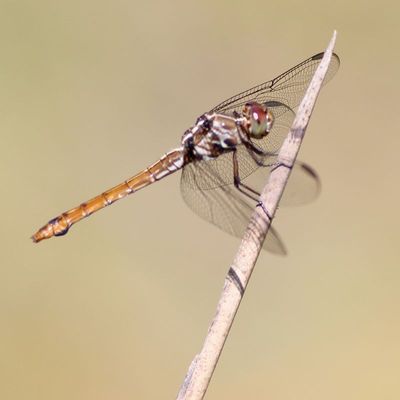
(203, 365)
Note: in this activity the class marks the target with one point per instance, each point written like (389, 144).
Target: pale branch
(204, 363)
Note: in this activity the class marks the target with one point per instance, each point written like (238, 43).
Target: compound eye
(260, 119)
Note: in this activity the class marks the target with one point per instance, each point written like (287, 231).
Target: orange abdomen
(60, 225)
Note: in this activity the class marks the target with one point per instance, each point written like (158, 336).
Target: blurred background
(94, 91)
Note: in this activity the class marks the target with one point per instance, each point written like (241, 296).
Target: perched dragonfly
(224, 148)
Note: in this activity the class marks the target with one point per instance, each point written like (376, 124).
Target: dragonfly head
(259, 119)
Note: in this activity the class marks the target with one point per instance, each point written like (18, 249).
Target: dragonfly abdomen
(59, 226)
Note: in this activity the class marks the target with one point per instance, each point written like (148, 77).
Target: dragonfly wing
(303, 187)
(223, 205)
(287, 88)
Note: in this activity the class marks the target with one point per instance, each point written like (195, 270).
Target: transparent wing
(223, 206)
(207, 186)
(287, 88)
(303, 187)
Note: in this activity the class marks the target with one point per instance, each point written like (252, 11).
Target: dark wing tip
(320, 55)
(311, 171)
(317, 56)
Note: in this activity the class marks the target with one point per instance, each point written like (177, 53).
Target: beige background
(93, 91)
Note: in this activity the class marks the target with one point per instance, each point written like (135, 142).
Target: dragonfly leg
(248, 143)
(255, 151)
(245, 189)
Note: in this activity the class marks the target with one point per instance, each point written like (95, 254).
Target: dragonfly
(220, 154)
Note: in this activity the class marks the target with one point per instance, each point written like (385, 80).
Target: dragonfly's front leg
(256, 153)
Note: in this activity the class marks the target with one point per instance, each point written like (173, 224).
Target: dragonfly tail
(59, 226)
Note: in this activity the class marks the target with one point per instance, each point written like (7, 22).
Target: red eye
(259, 118)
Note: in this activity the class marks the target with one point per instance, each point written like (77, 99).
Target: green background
(91, 92)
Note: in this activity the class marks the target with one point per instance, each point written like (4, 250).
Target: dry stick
(203, 365)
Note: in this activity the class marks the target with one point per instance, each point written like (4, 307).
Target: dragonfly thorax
(259, 119)
(213, 135)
